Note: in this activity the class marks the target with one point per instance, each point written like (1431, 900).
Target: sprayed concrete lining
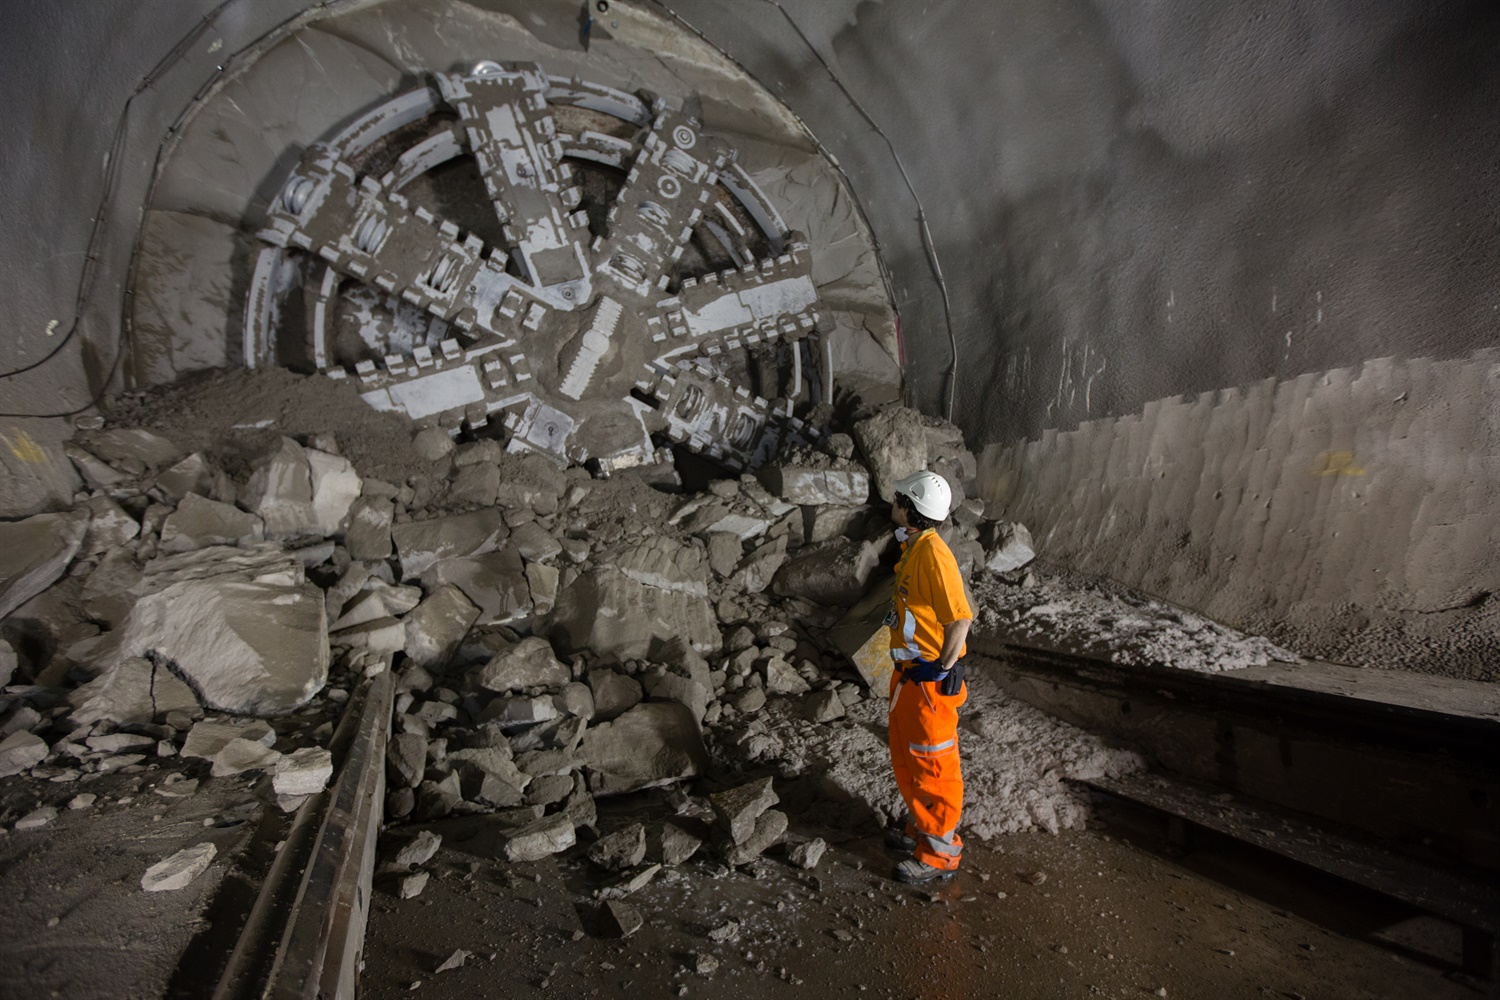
(1322, 509)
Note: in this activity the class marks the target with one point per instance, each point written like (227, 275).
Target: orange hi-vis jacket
(929, 596)
(922, 722)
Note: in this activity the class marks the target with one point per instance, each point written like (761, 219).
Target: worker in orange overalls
(929, 621)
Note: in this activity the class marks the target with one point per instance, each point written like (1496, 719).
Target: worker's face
(898, 513)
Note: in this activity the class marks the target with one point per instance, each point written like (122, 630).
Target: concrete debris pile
(555, 638)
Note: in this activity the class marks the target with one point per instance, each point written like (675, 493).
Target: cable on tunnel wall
(111, 178)
(950, 381)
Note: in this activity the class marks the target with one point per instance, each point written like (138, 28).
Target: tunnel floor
(1113, 917)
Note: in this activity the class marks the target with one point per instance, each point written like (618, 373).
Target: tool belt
(949, 682)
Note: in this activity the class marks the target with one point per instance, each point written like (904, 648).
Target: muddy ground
(1113, 917)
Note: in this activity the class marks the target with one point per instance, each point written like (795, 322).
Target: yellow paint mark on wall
(1340, 463)
(23, 448)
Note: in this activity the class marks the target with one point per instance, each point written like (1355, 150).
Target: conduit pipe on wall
(950, 380)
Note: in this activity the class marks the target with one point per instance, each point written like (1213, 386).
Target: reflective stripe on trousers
(923, 738)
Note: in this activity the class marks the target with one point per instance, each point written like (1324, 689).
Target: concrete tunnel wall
(1221, 277)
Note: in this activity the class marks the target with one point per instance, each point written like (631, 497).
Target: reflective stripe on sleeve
(931, 747)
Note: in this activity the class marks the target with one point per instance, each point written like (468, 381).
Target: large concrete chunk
(609, 612)
(542, 839)
(280, 491)
(198, 523)
(655, 743)
(127, 445)
(894, 443)
(335, 487)
(369, 534)
(437, 625)
(737, 809)
(421, 544)
(530, 663)
(755, 572)
(193, 474)
(110, 527)
(1007, 546)
(20, 751)
(34, 553)
(863, 636)
(833, 572)
(817, 487)
(206, 738)
(665, 564)
(620, 850)
(496, 582)
(136, 691)
(247, 646)
(769, 828)
(614, 693)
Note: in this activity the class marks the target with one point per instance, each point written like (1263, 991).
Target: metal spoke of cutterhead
(586, 311)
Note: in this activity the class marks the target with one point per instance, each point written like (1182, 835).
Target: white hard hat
(928, 492)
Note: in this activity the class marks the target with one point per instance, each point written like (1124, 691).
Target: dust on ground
(1063, 610)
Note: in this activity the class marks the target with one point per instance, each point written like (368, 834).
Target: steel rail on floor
(304, 937)
(1392, 794)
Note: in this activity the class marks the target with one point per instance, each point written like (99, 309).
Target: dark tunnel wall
(1281, 211)
(1132, 200)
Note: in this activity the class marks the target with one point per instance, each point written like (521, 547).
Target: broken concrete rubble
(179, 870)
(35, 552)
(542, 839)
(654, 743)
(527, 664)
(199, 522)
(435, 627)
(620, 850)
(245, 645)
(420, 544)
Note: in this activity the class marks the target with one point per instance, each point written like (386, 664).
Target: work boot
(913, 872)
(897, 840)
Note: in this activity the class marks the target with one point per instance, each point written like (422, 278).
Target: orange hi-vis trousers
(923, 734)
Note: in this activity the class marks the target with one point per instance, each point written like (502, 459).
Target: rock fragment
(808, 853)
(816, 487)
(280, 490)
(737, 809)
(241, 755)
(614, 693)
(199, 522)
(619, 920)
(303, 772)
(674, 845)
(620, 850)
(655, 743)
(207, 738)
(135, 691)
(453, 961)
(421, 544)
(20, 751)
(180, 869)
(411, 886)
(34, 552)
(436, 627)
(368, 536)
(529, 663)
(823, 706)
(542, 839)
(769, 828)
(1007, 546)
(420, 849)
(37, 818)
